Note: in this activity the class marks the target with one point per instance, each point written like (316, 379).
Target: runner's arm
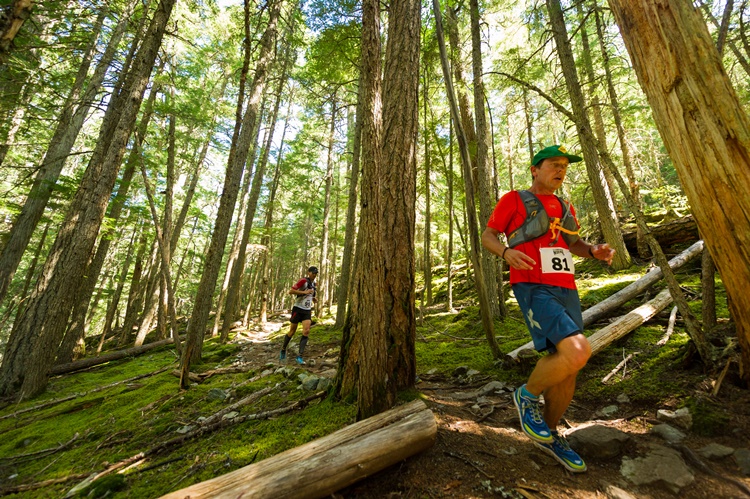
(516, 259)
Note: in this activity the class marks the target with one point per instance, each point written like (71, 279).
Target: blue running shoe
(300, 360)
(560, 450)
(532, 422)
(282, 355)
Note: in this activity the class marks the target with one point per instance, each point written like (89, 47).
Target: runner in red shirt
(304, 292)
(543, 281)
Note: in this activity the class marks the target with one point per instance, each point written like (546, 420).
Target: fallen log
(323, 466)
(681, 230)
(108, 357)
(596, 312)
(606, 335)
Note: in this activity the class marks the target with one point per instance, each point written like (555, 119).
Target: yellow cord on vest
(556, 227)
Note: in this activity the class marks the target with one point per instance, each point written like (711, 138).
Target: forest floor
(90, 419)
(476, 456)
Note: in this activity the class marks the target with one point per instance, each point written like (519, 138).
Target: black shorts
(300, 314)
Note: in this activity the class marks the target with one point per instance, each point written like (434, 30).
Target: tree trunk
(239, 226)
(324, 267)
(351, 212)
(268, 225)
(603, 201)
(705, 131)
(14, 16)
(73, 113)
(37, 334)
(136, 290)
(112, 307)
(487, 194)
(473, 226)
(235, 165)
(477, 148)
(399, 189)
(595, 104)
(363, 365)
(427, 258)
(642, 247)
(77, 327)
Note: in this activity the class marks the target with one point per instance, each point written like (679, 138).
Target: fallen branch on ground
(325, 465)
(159, 448)
(670, 328)
(723, 374)
(200, 377)
(470, 464)
(40, 453)
(618, 367)
(50, 403)
(245, 401)
(606, 335)
(39, 485)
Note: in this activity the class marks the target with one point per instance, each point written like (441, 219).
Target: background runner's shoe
(282, 355)
(560, 450)
(300, 360)
(532, 422)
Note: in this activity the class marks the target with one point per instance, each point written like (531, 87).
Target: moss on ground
(119, 422)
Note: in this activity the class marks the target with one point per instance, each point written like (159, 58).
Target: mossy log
(323, 466)
(87, 362)
(599, 310)
(682, 230)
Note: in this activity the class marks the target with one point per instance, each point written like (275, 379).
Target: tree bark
(705, 131)
(602, 199)
(363, 365)
(235, 165)
(399, 189)
(351, 212)
(485, 309)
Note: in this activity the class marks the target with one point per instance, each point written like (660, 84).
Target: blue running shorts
(551, 313)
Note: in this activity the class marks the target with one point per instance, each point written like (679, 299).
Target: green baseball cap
(555, 151)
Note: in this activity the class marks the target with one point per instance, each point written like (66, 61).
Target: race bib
(556, 261)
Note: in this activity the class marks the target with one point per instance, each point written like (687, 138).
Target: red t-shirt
(509, 214)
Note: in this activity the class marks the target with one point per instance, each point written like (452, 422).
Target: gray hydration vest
(537, 222)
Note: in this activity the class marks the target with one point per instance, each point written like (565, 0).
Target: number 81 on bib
(556, 261)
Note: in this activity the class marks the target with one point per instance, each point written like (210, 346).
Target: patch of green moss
(709, 418)
(103, 487)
